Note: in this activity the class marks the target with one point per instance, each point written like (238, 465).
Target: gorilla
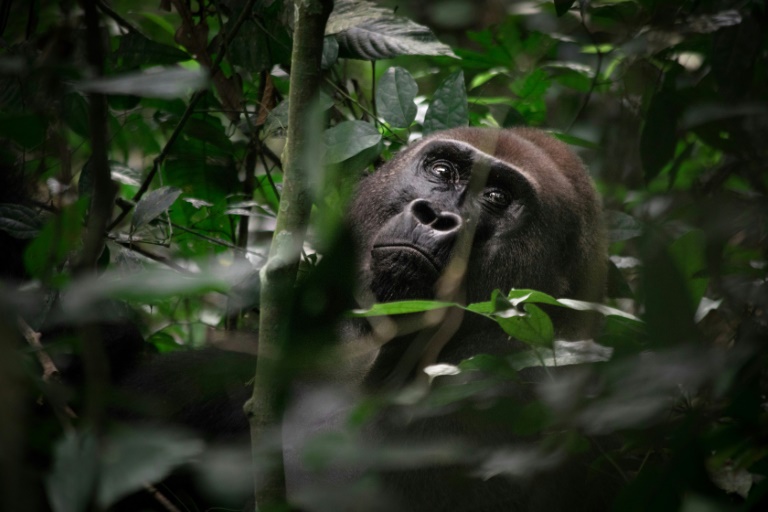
(454, 216)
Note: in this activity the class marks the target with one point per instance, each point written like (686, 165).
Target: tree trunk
(279, 274)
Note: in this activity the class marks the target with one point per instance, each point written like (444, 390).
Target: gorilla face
(516, 204)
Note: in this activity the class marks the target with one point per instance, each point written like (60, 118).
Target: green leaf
(20, 221)
(401, 308)
(137, 456)
(165, 84)
(152, 205)
(448, 108)
(395, 97)
(366, 31)
(563, 6)
(71, 481)
(576, 141)
(533, 327)
(349, 138)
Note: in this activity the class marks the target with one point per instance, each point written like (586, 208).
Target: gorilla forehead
(546, 163)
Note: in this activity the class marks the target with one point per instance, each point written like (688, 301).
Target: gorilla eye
(443, 170)
(497, 197)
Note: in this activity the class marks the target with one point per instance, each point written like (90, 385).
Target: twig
(596, 76)
(218, 241)
(50, 372)
(106, 9)
(155, 257)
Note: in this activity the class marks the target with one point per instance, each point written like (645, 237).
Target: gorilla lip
(411, 248)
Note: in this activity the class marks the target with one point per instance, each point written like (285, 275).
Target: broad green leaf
(135, 457)
(165, 84)
(349, 138)
(395, 97)
(401, 308)
(152, 205)
(366, 31)
(71, 482)
(20, 221)
(448, 108)
(534, 328)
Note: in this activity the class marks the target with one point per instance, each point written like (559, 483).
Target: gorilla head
(516, 204)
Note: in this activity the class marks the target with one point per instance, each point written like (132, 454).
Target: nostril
(423, 212)
(447, 221)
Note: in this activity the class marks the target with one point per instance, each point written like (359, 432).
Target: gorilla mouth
(412, 249)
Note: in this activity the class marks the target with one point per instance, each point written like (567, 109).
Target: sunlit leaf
(534, 328)
(401, 308)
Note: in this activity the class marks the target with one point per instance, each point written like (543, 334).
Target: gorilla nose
(423, 211)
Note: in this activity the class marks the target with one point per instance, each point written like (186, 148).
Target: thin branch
(50, 372)
(152, 256)
(598, 68)
(106, 9)
(217, 241)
